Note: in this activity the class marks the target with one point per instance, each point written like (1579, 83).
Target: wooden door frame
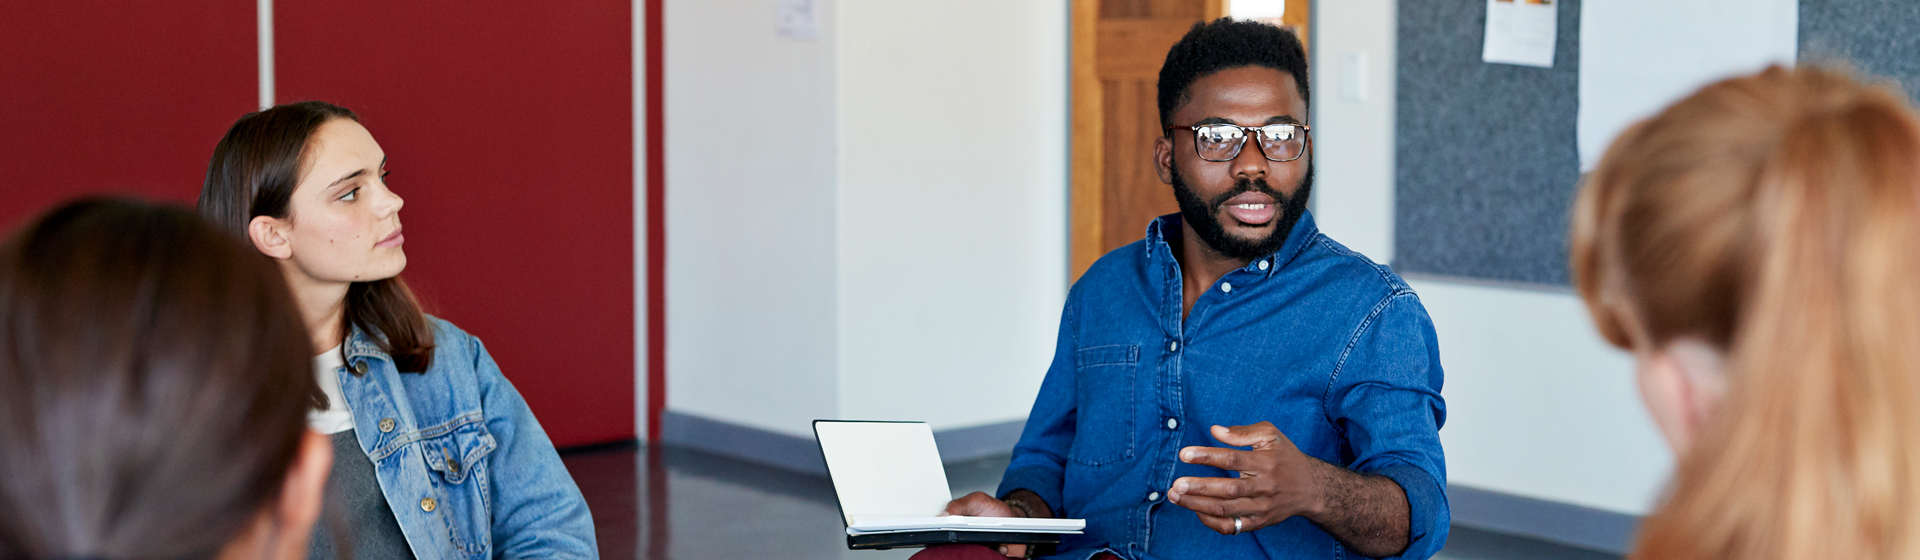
(1085, 198)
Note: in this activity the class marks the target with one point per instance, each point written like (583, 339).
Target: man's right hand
(979, 504)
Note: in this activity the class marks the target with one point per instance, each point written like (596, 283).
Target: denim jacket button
(360, 368)
(453, 464)
(427, 505)
(386, 425)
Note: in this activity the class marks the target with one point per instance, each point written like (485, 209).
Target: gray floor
(709, 506)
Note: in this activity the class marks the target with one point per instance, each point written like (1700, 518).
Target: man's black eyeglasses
(1222, 141)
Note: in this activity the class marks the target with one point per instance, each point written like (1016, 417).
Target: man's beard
(1204, 215)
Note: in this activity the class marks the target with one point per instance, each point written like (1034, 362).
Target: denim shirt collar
(1297, 240)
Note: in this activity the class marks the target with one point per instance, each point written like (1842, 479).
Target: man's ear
(269, 235)
(1163, 158)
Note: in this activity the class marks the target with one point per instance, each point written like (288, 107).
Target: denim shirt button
(1153, 496)
(1263, 265)
(1173, 424)
(1173, 346)
(1226, 287)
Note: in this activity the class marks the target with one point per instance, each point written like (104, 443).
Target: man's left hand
(1276, 480)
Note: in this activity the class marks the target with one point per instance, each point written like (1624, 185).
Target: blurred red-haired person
(1756, 247)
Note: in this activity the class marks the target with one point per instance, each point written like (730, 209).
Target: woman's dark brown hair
(154, 376)
(253, 173)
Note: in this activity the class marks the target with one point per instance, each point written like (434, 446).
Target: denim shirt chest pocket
(1105, 403)
(456, 459)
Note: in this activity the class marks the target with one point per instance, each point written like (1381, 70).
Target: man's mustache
(1244, 186)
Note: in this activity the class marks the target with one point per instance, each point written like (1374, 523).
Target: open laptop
(893, 491)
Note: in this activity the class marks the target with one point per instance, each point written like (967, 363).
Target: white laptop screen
(884, 469)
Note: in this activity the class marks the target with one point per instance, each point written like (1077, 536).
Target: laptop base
(885, 541)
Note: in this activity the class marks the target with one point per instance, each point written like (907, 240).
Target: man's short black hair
(1221, 44)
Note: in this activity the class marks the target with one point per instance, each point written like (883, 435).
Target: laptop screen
(883, 469)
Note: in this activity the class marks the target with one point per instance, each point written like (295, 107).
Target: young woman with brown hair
(153, 392)
(1756, 247)
(437, 456)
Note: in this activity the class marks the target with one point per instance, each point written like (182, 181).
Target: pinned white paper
(1521, 32)
(1638, 56)
(799, 19)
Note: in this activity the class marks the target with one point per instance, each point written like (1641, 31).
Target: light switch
(1353, 76)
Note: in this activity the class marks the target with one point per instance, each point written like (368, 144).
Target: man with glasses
(1235, 385)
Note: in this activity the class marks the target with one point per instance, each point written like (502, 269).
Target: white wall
(879, 228)
(1353, 123)
(751, 217)
(952, 206)
(1538, 405)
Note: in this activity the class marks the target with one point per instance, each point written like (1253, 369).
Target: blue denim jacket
(462, 462)
(1333, 349)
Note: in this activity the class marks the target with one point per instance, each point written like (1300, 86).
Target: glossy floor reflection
(714, 507)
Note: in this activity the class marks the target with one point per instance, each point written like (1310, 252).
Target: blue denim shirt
(1333, 349)
(461, 460)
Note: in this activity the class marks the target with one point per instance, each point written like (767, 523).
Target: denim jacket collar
(361, 345)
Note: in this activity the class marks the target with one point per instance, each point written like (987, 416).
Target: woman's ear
(269, 235)
(301, 497)
(283, 527)
(1682, 383)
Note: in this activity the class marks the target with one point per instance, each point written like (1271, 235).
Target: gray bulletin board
(1485, 157)
(1874, 36)
(1486, 163)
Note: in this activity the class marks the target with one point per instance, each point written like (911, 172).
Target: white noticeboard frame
(1638, 56)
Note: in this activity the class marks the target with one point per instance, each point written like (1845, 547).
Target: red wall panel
(110, 96)
(508, 126)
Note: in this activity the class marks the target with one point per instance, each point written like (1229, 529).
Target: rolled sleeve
(1385, 398)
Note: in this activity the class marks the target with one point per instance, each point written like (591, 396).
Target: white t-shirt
(337, 417)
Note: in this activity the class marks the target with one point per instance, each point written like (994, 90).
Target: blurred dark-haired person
(436, 455)
(1235, 323)
(1755, 246)
(154, 387)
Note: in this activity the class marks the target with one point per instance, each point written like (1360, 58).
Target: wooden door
(1118, 46)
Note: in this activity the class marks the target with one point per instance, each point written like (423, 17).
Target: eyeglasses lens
(1280, 142)
(1218, 143)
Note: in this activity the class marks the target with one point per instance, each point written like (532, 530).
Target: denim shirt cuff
(1035, 479)
(1427, 506)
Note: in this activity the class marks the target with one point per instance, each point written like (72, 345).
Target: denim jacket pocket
(1104, 411)
(457, 461)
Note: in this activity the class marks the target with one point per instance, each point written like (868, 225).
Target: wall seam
(263, 31)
